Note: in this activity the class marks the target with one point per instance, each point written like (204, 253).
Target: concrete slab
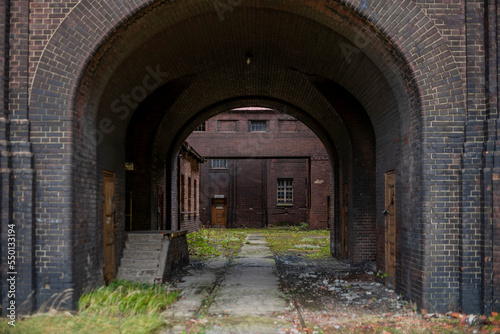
(254, 262)
(195, 287)
(246, 325)
(247, 292)
(251, 285)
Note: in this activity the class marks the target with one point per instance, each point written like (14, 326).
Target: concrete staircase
(144, 257)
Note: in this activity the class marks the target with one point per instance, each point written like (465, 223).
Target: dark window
(258, 126)
(201, 127)
(218, 163)
(181, 199)
(285, 191)
(195, 190)
(189, 195)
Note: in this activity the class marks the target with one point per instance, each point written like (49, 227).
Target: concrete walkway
(240, 295)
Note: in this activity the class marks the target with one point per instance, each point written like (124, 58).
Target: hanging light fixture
(249, 56)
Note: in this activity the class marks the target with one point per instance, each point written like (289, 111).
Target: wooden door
(109, 263)
(344, 237)
(328, 211)
(219, 212)
(390, 226)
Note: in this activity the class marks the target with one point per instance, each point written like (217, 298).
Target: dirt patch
(332, 296)
(335, 286)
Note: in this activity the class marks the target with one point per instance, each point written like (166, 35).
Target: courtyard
(264, 281)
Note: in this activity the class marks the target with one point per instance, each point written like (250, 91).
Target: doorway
(345, 201)
(390, 226)
(219, 212)
(109, 229)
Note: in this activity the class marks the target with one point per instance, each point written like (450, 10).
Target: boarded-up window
(288, 126)
(228, 126)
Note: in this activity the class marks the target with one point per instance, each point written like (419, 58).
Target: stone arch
(71, 94)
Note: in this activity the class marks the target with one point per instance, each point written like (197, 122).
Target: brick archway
(89, 80)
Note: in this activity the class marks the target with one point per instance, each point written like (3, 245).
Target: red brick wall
(250, 201)
(250, 184)
(297, 170)
(277, 141)
(320, 191)
(189, 179)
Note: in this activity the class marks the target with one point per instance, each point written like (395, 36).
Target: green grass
(313, 244)
(85, 324)
(216, 242)
(121, 307)
(212, 243)
(127, 298)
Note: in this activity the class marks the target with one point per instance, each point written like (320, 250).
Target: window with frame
(182, 191)
(218, 163)
(195, 190)
(189, 194)
(201, 127)
(258, 126)
(285, 191)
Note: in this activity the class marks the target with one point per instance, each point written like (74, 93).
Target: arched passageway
(136, 80)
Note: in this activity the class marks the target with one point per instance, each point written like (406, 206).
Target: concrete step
(142, 246)
(148, 279)
(144, 237)
(133, 263)
(140, 255)
(129, 272)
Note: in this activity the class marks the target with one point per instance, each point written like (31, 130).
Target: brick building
(189, 189)
(403, 95)
(265, 169)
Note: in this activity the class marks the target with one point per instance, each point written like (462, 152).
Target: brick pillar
(491, 271)
(496, 227)
(472, 293)
(18, 184)
(320, 190)
(491, 214)
(5, 170)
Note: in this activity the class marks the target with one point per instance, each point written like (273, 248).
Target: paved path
(240, 295)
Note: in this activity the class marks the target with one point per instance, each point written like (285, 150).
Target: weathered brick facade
(283, 149)
(189, 189)
(409, 86)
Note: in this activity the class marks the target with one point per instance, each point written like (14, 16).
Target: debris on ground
(334, 297)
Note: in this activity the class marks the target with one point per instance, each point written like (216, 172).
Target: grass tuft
(128, 299)
(215, 242)
(121, 307)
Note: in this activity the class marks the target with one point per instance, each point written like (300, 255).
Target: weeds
(208, 243)
(199, 245)
(128, 299)
(121, 307)
(382, 274)
(313, 245)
